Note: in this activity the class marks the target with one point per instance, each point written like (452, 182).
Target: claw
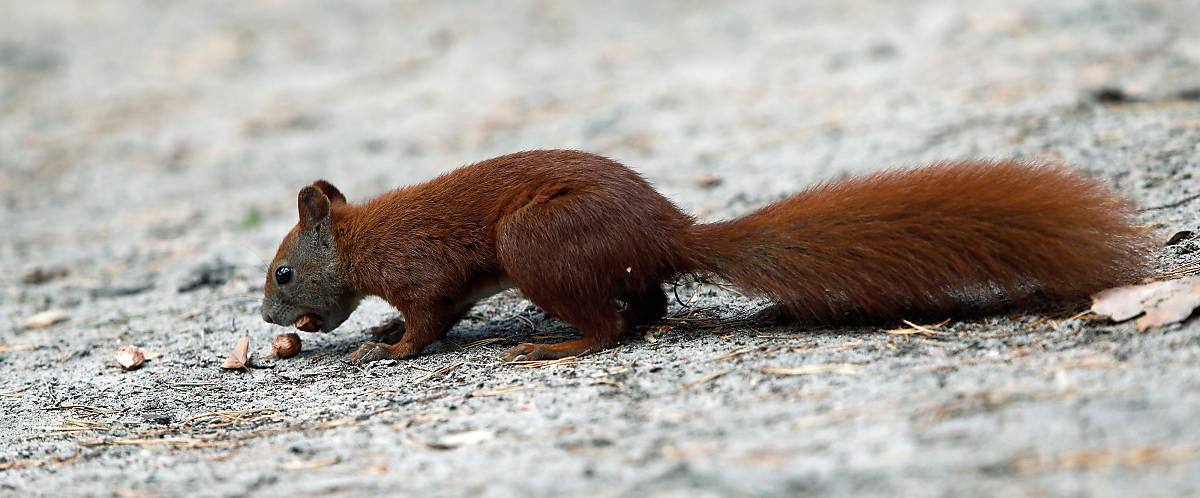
(369, 352)
(521, 352)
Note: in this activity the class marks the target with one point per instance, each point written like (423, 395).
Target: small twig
(309, 464)
(188, 441)
(1181, 270)
(706, 378)
(837, 368)
(727, 288)
(675, 290)
(738, 351)
(1078, 315)
(439, 371)
(480, 342)
(1177, 203)
(918, 329)
(680, 319)
(609, 382)
(695, 295)
(833, 347)
(547, 363)
(363, 370)
(67, 430)
(498, 391)
(81, 407)
(14, 392)
(37, 461)
(231, 415)
(377, 391)
(527, 321)
(18, 347)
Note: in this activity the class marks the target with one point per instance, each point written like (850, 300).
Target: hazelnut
(309, 323)
(285, 345)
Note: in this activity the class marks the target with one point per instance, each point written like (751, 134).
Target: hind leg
(645, 307)
(574, 254)
(601, 325)
(774, 314)
(571, 276)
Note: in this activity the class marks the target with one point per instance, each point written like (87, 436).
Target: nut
(309, 323)
(285, 345)
(130, 357)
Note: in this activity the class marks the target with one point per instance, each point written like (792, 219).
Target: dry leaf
(130, 357)
(285, 345)
(1159, 303)
(44, 319)
(239, 357)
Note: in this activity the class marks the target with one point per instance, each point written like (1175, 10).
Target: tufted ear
(335, 196)
(314, 207)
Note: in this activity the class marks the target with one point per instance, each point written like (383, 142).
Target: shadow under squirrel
(578, 234)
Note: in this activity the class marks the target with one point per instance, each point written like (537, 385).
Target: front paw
(369, 352)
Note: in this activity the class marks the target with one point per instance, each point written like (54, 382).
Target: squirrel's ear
(314, 207)
(335, 196)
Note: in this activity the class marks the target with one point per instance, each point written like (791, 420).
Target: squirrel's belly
(486, 289)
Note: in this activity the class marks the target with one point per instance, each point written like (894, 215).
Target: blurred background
(120, 113)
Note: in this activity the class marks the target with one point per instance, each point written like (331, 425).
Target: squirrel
(590, 242)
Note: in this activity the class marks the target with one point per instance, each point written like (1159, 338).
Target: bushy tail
(942, 240)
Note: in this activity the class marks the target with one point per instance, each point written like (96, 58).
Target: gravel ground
(150, 154)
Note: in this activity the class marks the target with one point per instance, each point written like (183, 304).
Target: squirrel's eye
(283, 275)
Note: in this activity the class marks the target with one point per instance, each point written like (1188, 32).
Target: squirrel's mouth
(309, 322)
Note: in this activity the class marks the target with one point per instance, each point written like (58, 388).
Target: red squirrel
(591, 242)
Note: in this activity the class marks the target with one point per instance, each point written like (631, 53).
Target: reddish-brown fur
(948, 239)
(577, 232)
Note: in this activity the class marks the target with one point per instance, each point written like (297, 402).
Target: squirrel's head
(307, 277)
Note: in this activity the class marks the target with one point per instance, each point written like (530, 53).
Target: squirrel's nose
(267, 316)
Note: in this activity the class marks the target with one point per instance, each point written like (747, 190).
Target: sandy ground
(150, 154)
